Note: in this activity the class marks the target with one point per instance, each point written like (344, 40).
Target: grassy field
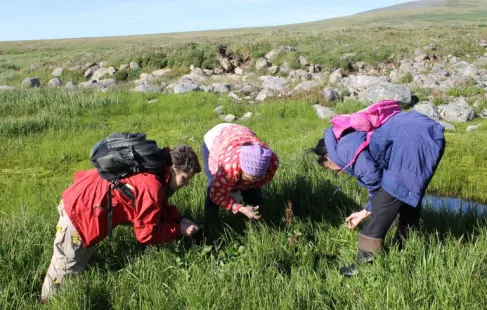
(279, 263)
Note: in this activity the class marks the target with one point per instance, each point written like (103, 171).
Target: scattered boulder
(362, 82)
(31, 82)
(239, 71)
(226, 64)
(261, 63)
(323, 112)
(272, 55)
(264, 94)
(284, 68)
(70, 85)
(206, 88)
(384, 91)
(331, 94)
(103, 63)
(90, 84)
(111, 70)
(233, 95)
(108, 82)
(124, 66)
(75, 68)
(218, 71)
(99, 73)
(273, 69)
(303, 61)
(161, 72)
(336, 77)
(218, 109)
(186, 87)
(90, 64)
(134, 65)
(305, 86)
(198, 72)
(428, 109)
(57, 72)
(277, 84)
(208, 72)
(147, 88)
(221, 88)
(90, 71)
(473, 127)
(229, 118)
(458, 111)
(246, 116)
(55, 82)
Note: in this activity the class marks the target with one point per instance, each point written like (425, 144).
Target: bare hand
(356, 218)
(188, 228)
(250, 212)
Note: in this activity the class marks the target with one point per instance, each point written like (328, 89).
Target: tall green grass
(279, 263)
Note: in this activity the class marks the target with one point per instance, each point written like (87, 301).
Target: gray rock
(261, 63)
(246, 116)
(384, 91)
(305, 86)
(90, 64)
(303, 61)
(473, 127)
(319, 76)
(99, 73)
(362, 82)
(272, 55)
(152, 101)
(299, 74)
(218, 71)
(226, 64)
(198, 71)
(313, 68)
(208, 72)
(103, 63)
(193, 78)
(273, 69)
(161, 72)
(124, 66)
(336, 77)
(57, 72)
(75, 68)
(31, 82)
(322, 112)
(90, 71)
(447, 126)
(111, 70)
(70, 85)
(247, 88)
(264, 94)
(277, 84)
(147, 88)
(90, 84)
(229, 118)
(206, 88)
(221, 88)
(331, 94)
(6, 87)
(395, 76)
(182, 88)
(218, 109)
(108, 82)
(239, 71)
(55, 82)
(284, 68)
(134, 65)
(233, 95)
(428, 109)
(458, 111)
(483, 113)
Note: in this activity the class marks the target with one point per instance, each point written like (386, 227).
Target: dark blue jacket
(401, 158)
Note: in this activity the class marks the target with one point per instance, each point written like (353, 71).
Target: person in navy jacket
(395, 168)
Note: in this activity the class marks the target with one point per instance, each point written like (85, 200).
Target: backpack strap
(126, 191)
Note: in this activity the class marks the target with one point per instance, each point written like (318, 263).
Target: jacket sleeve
(365, 169)
(225, 180)
(156, 220)
(369, 175)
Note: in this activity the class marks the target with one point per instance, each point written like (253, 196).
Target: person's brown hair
(185, 159)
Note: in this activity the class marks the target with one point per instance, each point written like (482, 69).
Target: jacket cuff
(235, 207)
(368, 206)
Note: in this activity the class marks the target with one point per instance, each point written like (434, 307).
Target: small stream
(454, 205)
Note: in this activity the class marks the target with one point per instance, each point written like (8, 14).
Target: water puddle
(454, 205)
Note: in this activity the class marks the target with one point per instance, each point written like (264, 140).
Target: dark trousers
(384, 211)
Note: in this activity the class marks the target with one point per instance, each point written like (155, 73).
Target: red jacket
(155, 220)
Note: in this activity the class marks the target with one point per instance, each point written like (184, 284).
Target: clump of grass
(406, 78)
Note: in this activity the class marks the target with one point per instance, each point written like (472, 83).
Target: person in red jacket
(83, 213)
(237, 164)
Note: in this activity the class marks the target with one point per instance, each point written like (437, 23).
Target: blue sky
(52, 19)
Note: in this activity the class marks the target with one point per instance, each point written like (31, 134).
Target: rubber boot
(368, 247)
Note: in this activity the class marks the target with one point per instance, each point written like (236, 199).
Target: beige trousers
(69, 255)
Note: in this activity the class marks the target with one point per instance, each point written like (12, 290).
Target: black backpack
(122, 154)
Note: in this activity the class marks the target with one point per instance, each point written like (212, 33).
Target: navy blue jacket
(401, 158)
